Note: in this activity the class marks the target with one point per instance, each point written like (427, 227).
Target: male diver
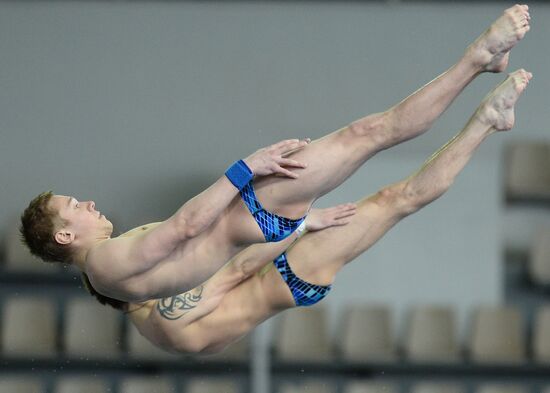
(264, 279)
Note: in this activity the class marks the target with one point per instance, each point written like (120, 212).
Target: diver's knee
(373, 128)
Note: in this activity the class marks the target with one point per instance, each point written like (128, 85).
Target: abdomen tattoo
(175, 307)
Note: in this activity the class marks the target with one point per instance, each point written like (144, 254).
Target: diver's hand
(272, 159)
(318, 219)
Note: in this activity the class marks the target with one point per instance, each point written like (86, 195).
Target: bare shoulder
(110, 262)
(106, 263)
(120, 267)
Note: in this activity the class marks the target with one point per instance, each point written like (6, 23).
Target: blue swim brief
(304, 293)
(275, 228)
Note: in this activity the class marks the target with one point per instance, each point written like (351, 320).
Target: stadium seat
(301, 335)
(366, 334)
(528, 171)
(213, 385)
(152, 384)
(431, 335)
(311, 385)
(92, 330)
(20, 384)
(502, 388)
(497, 336)
(29, 327)
(370, 387)
(539, 258)
(438, 387)
(81, 384)
(541, 335)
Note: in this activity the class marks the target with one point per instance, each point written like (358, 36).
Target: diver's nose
(92, 205)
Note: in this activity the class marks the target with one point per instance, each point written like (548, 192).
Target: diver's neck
(81, 256)
(79, 259)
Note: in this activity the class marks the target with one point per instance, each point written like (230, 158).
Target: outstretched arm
(254, 258)
(201, 211)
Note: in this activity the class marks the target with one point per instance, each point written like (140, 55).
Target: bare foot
(497, 109)
(492, 49)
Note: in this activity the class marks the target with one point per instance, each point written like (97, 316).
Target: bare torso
(217, 319)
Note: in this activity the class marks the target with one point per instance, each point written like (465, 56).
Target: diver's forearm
(201, 211)
(254, 258)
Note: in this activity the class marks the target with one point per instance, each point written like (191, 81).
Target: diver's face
(81, 219)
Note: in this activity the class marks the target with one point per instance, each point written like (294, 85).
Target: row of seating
(90, 330)
(419, 387)
(134, 384)
(497, 336)
(165, 384)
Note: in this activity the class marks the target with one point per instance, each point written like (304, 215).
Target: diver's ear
(64, 237)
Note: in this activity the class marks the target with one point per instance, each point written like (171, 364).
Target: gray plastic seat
(438, 387)
(81, 384)
(20, 384)
(29, 327)
(366, 334)
(502, 388)
(370, 387)
(539, 258)
(310, 385)
(431, 335)
(302, 336)
(528, 170)
(497, 336)
(91, 329)
(152, 384)
(213, 385)
(541, 335)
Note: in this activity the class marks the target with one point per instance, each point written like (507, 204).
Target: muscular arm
(191, 219)
(254, 258)
(168, 319)
(205, 298)
(148, 248)
(201, 211)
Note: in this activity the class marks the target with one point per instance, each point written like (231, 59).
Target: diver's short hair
(38, 231)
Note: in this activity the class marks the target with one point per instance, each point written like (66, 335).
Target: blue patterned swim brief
(304, 293)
